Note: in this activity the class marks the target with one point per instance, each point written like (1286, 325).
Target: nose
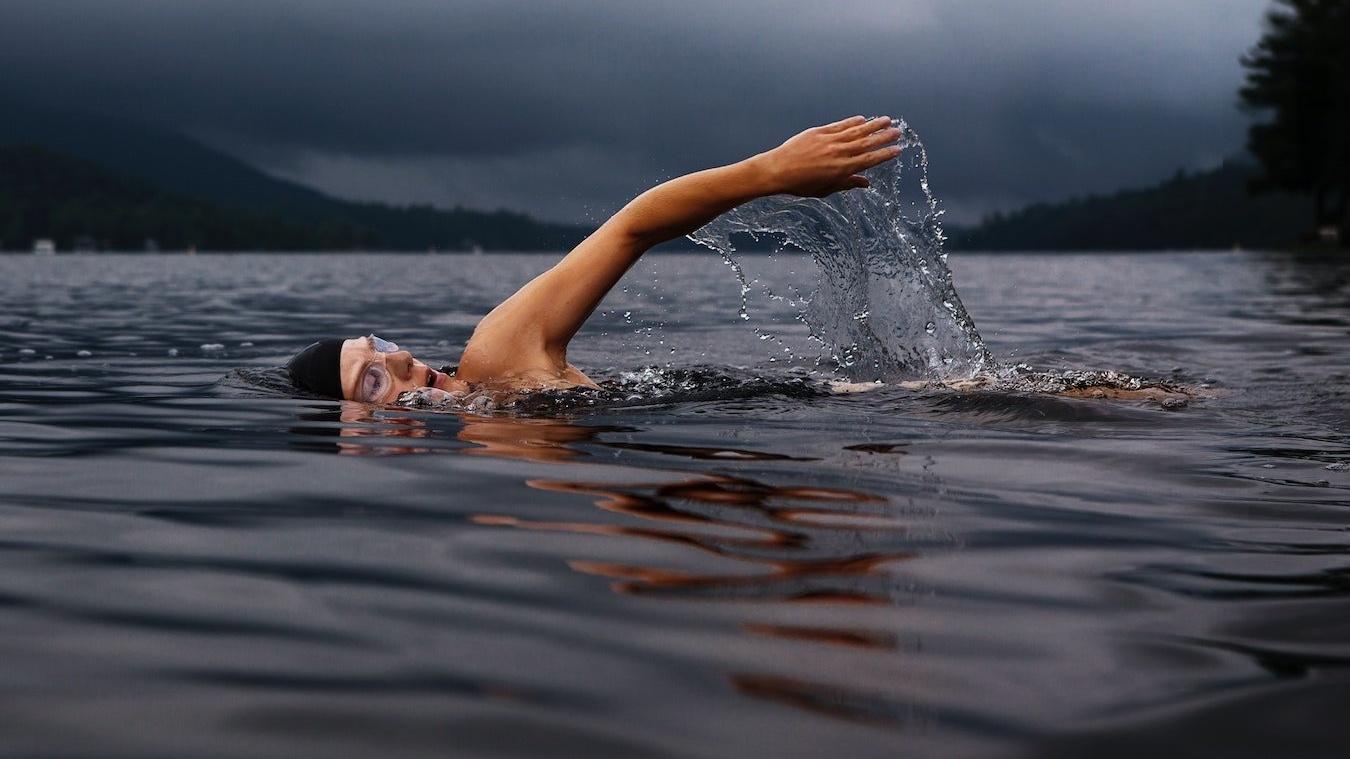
(400, 364)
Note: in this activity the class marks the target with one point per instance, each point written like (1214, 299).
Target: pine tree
(1298, 82)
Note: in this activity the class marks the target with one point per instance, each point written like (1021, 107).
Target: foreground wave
(732, 559)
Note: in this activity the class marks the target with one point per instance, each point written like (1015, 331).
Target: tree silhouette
(1298, 77)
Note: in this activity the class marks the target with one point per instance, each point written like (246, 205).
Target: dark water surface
(192, 564)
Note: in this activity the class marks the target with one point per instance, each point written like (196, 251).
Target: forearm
(566, 295)
(681, 206)
(816, 162)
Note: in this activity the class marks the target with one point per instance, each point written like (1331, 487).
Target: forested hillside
(1211, 209)
(160, 167)
(44, 194)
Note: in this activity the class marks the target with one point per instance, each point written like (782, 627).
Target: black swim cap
(318, 368)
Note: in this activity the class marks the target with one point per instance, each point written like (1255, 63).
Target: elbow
(643, 224)
(635, 237)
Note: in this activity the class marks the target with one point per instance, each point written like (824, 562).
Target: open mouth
(434, 378)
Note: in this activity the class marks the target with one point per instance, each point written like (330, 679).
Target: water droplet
(26, 351)
(85, 353)
(173, 351)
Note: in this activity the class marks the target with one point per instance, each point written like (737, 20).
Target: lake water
(718, 560)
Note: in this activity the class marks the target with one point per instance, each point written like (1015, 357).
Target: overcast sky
(565, 109)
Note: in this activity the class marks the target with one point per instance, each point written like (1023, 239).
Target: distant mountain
(161, 157)
(78, 204)
(190, 169)
(1210, 209)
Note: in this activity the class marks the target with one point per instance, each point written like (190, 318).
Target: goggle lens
(376, 381)
(373, 383)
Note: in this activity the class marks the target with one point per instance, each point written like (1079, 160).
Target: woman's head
(367, 369)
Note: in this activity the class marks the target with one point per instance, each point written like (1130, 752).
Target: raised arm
(529, 332)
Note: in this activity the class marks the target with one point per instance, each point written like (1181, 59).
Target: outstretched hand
(827, 159)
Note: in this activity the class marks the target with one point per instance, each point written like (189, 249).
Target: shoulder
(510, 354)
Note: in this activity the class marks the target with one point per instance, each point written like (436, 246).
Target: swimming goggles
(375, 381)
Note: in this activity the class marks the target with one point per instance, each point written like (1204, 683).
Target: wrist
(762, 176)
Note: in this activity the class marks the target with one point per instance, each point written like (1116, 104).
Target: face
(377, 371)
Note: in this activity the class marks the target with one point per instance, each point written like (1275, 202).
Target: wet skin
(402, 373)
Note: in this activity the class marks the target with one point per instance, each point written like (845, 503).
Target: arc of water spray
(885, 304)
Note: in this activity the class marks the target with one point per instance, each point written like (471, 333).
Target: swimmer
(521, 345)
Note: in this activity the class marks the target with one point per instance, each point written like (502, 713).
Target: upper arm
(531, 329)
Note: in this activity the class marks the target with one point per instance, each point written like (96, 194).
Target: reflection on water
(782, 543)
(364, 430)
(720, 567)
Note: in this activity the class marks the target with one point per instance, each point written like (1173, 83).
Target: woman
(522, 343)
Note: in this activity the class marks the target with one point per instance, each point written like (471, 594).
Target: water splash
(646, 386)
(885, 305)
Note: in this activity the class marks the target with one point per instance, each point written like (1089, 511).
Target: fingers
(871, 147)
(843, 124)
(879, 138)
(830, 158)
(860, 130)
(862, 134)
(855, 127)
(869, 142)
(876, 141)
(874, 157)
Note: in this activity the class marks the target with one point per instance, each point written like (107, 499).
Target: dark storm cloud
(558, 108)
